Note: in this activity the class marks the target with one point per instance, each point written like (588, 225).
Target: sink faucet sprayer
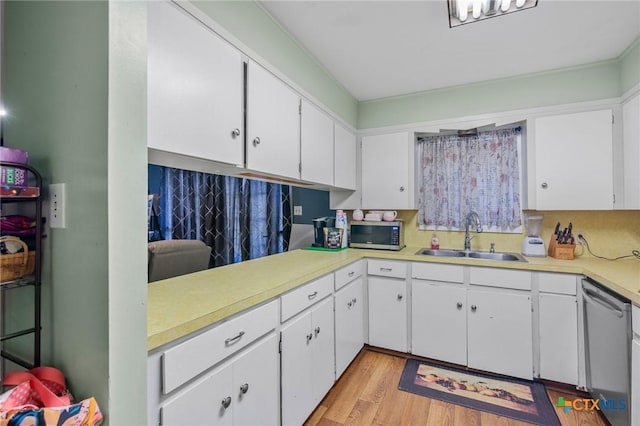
(472, 216)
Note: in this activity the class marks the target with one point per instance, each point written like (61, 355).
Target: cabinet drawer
(386, 268)
(557, 283)
(347, 274)
(190, 358)
(503, 278)
(301, 298)
(635, 318)
(437, 272)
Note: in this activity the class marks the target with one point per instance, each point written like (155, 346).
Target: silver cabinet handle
(256, 141)
(232, 340)
(350, 304)
(309, 337)
(544, 185)
(244, 388)
(317, 331)
(473, 308)
(459, 305)
(386, 269)
(354, 300)
(235, 133)
(400, 297)
(402, 189)
(312, 295)
(352, 273)
(226, 402)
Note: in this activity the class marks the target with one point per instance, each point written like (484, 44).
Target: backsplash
(609, 233)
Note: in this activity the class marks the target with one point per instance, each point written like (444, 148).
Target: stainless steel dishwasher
(608, 351)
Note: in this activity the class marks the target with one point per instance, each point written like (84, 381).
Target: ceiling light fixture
(467, 11)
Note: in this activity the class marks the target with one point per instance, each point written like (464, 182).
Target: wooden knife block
(561, 251)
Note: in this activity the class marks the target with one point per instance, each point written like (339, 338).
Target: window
(481, 172)
(239, 218)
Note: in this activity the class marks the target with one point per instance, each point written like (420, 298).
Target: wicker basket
(17, 265)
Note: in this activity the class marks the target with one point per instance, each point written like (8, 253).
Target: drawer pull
(386, 269)
(232, 340)
(226, 402)
(352, 273)
(317, 330)
(312, 295)
(244, 388)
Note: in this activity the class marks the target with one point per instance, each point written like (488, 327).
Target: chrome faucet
(472, 216)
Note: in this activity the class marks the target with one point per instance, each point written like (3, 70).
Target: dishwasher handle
(595, 298)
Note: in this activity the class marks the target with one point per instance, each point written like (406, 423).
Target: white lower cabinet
(388, 313)
(439, 321)
(499, 332)
(307, 361)
(349, 325)
(244, 392)
(222, 375)
(635, 367)
(558, 327)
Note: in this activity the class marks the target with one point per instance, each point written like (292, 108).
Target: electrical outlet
(297, 210)
(58, 205)
(580, 236)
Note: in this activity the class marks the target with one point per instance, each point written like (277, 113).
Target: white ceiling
(378, 49)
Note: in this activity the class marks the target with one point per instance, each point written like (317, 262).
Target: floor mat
(514, 398)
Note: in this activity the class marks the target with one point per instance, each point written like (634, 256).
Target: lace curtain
(480, 173)
(239, 218)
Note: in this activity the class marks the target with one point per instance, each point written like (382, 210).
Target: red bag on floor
(40, 398)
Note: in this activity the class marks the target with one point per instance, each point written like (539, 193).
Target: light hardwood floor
(367, 394)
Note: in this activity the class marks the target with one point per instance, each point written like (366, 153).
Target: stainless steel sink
(484, 255)
(442, 253)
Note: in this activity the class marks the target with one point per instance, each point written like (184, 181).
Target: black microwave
(377, 235)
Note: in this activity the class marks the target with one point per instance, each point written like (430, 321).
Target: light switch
(58, 205)
(297, 210)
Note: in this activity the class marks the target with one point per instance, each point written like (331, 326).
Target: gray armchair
(170, 258)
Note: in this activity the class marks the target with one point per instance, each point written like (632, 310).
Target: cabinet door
(386, 171)
(273, 124)
(499, 332)
(631, 140)
(635, 382)
(323, 353)
(297, 367)
(202, 403)
(316, 145)
(574, 161)
(432, 305)
(349, 324)
(256, 381)
(558, 338)
(388, 313)
(345, 147)
(195, 88)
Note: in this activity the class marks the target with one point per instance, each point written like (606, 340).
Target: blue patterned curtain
(239, 218)
(480, 173)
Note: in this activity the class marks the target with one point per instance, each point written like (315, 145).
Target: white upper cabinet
(345, 158)
(316, 144)
(574, 161)
(631, 140)
(195, 88)
(387, 171)
(273, 124)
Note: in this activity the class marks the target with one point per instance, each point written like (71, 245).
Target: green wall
(594, 81)
(630, 66)
(250, 24)
(61, 78)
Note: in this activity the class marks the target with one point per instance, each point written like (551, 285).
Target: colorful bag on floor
(40, 398)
